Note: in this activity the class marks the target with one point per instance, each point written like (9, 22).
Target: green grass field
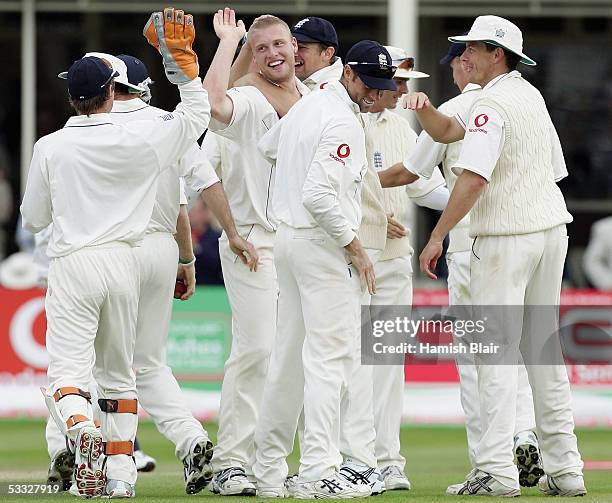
(436, 457)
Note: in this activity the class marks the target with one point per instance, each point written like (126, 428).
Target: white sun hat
(18, 272)
(118, 65)
(404, 64)
(497, 31)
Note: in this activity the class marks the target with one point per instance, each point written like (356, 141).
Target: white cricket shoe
(395, 479)
(334, 487)
(570, 484)
(272, 492)
(89, 479)
(197, 469)
(482, 484)
(144, 462)
(233, 482)
(291, 483)
(119, 489)
(61, 470)
(528, 458)
(360, 473)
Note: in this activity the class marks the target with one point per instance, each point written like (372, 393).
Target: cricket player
(92, 296)
(317, 61)
(159, 393)
(389, 138)
(242, 115)
(423, 161)
(509, 162)
(319, 149)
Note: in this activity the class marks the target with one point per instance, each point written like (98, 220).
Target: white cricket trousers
(312, 358)
(253, 297)
(91, 306)
(158, 391)
(357, 431)
(521, 270)
(459, 295)
(378, 389)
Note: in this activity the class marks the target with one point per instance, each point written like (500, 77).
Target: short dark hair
(121, 88)
(89, 106)
(512, 59)
(323, 47)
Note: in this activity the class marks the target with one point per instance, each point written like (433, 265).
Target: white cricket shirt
(247, 177)
(320, 78)
(319, 148)
(97, 180)
(484, 138)
(193, 166)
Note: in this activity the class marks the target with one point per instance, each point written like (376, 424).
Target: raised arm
(441, 127)
(217, 78)
(396, 176)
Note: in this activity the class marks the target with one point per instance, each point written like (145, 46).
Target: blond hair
(263, 22)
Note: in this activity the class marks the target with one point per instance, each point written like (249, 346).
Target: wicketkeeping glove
(172, 34)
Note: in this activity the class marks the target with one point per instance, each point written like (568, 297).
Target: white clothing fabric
(428, 154)
(320, 78)
(524, 166)
(253, 297)
(193, 167)
(92, 301)
(248, 178)
(501, 276)
(326, 191)
(94, 153)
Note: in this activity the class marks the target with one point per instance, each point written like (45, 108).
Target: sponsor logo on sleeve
(342, 153)
(479, 121)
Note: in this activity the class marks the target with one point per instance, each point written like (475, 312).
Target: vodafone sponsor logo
(21, 334)
(344, 151)
(479, 121)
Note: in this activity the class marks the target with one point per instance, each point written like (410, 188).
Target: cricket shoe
(197, 468)
(89, 479)
(61, 470)
(394, 478)
(482, 484)
(272, 492)
(334, 487)
(570, 484)
(528, 458)
(291, 483)
(359, 473)
(119, 489)
(144, 462)
(233, 482)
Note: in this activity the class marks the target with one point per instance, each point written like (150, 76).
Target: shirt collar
(470, 87)
(337, 88)
(124, 106)
(501, 77)
(86, 121)
(332, 72)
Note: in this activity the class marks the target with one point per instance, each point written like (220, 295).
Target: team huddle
(313, 177)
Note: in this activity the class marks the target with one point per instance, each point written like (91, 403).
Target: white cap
(399, 56)
(497, 31)
(18, 272)
(118, 65)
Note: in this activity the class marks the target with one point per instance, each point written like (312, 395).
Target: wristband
(187, 262)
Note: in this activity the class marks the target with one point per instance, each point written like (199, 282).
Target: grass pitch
(436, 458)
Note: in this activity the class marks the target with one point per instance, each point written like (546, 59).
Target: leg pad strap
(120, 406)
(71, 390)
(75, 419)
(121, 447)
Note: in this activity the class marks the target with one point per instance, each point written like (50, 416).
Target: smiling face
(390, 99)
(482, 65)
(361, 94)
(311, 57)
(274, 52)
